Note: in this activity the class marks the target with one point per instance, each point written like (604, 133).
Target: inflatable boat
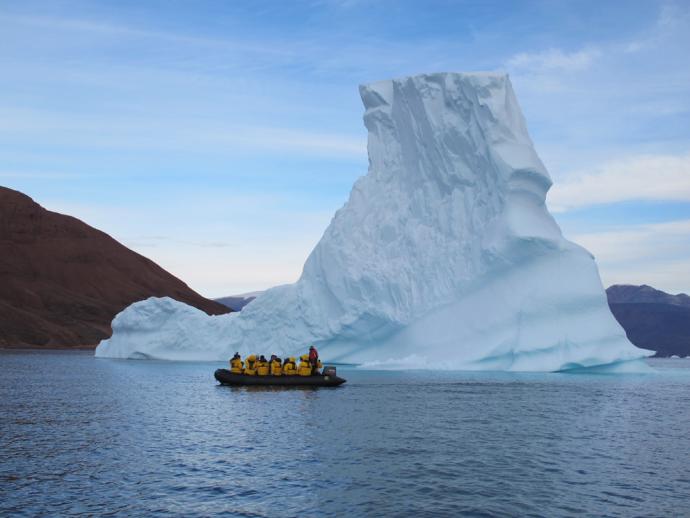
(327, 379)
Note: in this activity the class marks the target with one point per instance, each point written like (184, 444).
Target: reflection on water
(277, 388)
(81, 435)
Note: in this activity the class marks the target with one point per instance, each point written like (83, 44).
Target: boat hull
(225, 377)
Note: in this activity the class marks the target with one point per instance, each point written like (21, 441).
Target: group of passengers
(258, 365)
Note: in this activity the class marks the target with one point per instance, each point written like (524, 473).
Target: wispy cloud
(290, 140)
(39, 175)
(653, 254)
(114, 30)
(650, 177)
(127, 132)
(338, 4)
(551, 70)
(155, 241)
(672, 17)
(553, 60)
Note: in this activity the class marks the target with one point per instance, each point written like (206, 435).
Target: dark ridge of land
(62, 281)
(631, 294)
(235, 302)
(652, 319)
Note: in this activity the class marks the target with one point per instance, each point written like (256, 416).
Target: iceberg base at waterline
(445, 252)
(481, 331)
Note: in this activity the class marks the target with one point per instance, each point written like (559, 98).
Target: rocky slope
(62, 282)
(652, 319)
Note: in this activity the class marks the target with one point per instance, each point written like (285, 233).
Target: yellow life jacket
(289, 368)
(262, 368)
(276, 368)
(250, 368)
(304, 368)
(236, 366)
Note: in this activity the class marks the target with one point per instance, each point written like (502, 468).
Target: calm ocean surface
(81, 435)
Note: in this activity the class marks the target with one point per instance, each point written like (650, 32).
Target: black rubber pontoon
(225, 377)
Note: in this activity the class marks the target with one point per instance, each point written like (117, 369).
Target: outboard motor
(329, 370)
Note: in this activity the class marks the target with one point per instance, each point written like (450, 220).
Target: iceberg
(445, 255)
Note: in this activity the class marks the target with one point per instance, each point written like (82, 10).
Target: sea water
(95, 436)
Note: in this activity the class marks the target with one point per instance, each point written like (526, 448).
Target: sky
(218, 138)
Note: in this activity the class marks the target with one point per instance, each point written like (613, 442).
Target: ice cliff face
(445, 254)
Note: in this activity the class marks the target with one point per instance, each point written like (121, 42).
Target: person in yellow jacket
(236, 364)
(289, 367)
(276, 366)
(262, 368)
(304, 368)
(250, 365)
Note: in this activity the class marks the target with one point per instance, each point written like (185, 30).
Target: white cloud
(291, 140)
(338, 4)
(553, 60)
(640, 242)
(655, 254)
(146, 133)
(672, 18)
(646, 177)
(39, 175)
(103, 29)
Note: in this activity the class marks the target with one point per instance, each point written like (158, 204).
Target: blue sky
(218, 138)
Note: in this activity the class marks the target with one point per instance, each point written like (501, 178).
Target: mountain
(62, 282)
(631, 294)
(444, 256)
(237, 302)
(652, 319)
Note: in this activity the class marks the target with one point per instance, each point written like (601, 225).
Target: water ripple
(117, 438)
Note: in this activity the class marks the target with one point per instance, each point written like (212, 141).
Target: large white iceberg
(444, 255)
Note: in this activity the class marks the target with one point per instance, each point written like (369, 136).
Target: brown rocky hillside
(62, 281)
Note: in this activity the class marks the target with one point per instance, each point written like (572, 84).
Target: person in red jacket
(313, 359)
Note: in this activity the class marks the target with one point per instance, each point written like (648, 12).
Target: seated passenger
(304, 368)
(236, 364)
(250, 365)
(276, 366)
(262, 366)
(289, 367)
